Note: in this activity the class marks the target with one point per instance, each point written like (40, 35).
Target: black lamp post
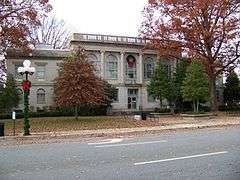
(27, 70)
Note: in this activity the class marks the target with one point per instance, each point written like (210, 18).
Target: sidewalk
(175, 125)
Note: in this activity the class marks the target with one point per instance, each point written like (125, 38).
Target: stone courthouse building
(122, 61)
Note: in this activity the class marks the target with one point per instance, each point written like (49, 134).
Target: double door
(132, 98)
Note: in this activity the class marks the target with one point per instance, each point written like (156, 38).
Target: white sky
(113, 17)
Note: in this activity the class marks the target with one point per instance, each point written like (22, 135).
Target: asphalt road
(205, 154)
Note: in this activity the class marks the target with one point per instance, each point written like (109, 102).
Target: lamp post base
(26, 114)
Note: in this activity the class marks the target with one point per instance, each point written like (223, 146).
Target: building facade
(122, 61)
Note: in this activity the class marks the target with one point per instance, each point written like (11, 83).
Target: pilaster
(102, 64)
(140, 69)
(122, 68)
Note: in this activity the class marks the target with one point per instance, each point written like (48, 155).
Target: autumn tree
(195, 86)
(208, 30)
(77, 85)
(53, 32)
(17, 18)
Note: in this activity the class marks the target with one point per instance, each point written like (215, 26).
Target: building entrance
(132, 98)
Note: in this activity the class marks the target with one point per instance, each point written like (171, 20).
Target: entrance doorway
(132, 98)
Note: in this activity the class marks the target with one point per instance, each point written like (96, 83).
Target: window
(17, 75)
(41, 96)
(20, 95)
(115, 95)
(150, 97)
(167, 68)
(131, 67)
(95, 62)
(148, 68)
(132, 92)
(40, 72)
(111, 67)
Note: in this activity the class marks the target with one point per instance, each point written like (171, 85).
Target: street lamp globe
(26, 69)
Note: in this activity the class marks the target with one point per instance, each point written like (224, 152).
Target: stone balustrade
(108, 39)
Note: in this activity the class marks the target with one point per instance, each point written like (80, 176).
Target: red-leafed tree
(77, 84)
(208, 30)
(17, 18)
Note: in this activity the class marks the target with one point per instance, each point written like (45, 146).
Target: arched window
(92, 58)
(20, 95)
(111, 67)
(167, 68)
(131, 67)
(41, 96)
(148, 67)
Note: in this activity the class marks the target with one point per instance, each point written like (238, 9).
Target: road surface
(207, 154)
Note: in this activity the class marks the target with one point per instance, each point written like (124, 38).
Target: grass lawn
(54, 124)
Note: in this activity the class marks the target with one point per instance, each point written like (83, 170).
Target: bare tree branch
(53, 32)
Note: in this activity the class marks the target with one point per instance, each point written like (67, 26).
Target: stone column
(122, 69)
(140, 69)
(102, 64)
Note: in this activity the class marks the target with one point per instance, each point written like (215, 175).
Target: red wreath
(26, 85)
(131, 61)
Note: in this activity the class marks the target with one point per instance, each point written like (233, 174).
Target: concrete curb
(122, 131)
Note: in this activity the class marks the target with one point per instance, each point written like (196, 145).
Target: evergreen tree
(9, 98)
(161, 84)
(196, 84)
(109, 92)
(179, 76)
(232, 89)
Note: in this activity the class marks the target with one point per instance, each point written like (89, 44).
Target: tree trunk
(197, 105)
(171, 104)
(160, 102)
(213, 98)
(194, 107)
(76, 112)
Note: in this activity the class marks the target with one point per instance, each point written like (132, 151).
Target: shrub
(59, 111)
(229, 108)
(162, 110)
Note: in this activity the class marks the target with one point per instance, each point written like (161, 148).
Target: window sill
(17, 79)
(111, 78)
(41, 80)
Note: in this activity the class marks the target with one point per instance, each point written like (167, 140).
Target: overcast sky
(114, 17)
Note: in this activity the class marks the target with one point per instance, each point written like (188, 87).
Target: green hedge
(162, 110)
(82, 111)
(229, 108)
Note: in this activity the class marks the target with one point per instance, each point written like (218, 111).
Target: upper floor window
(95, 62)
(40, 72)
(148, 68)
(111, 67)
(41, 96)
(131, 67)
